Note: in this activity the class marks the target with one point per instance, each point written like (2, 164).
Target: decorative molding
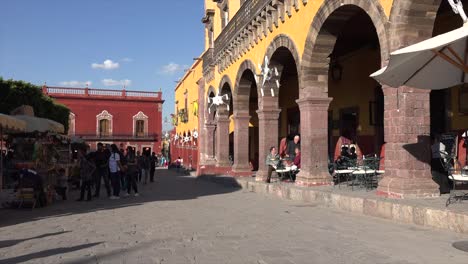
(251, 24)
(104, 115)
(140, 116)
(71, 124)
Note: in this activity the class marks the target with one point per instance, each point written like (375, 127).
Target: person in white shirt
(114, 169)
(439, 173)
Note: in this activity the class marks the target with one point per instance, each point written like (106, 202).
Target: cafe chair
(26, 195)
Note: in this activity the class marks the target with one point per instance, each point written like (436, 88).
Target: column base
(401, 188)
(307, 179)
(223, 164)
(261, 175)
(242, 170)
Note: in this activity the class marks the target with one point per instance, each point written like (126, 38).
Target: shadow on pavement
(9, 243)
(169, 186)
(47, 253)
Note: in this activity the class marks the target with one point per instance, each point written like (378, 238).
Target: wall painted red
(122, 107)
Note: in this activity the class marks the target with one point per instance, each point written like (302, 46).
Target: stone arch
(283, 40)
(209, 116)
(320, 44)
(241, 92)
(225, 87)
(225, 80)
(406, 27)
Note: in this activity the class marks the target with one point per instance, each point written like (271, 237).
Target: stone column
(241, 143)
(207, 144)
(407, 149)
(314, 142)
(222, 140)
(268, 137)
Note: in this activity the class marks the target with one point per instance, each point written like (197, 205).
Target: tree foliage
(17, 93)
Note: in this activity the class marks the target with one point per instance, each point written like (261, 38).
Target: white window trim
(71, 124)
(140, 116)
(104, 115)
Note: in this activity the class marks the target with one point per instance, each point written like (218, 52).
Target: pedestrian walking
(132, 172)
(87, 169)
(115, 168)
(145, 167)
(101, 159)
(139, 158)
(153, 162)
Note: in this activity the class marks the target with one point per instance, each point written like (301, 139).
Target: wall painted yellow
(294, 27)
(188, 86)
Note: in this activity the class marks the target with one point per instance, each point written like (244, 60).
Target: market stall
(8, 124)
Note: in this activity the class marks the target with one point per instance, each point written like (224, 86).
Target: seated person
(30, 179)
(272, 161)
(343, 159)
(352, 153)
(296, 163)
(62, 184)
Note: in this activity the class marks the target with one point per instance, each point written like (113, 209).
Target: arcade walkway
(183, 220)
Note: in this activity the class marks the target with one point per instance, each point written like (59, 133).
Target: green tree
(17, 93)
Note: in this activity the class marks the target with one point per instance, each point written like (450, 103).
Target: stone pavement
(181, 219)
(428, 212)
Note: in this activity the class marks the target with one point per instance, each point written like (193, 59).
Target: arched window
(104, 124)
(140, 125)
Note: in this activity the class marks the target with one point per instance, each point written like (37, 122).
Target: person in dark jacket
(153, 162)
(87, 169)
(101, 159)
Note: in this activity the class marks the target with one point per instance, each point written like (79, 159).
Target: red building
(125, 118)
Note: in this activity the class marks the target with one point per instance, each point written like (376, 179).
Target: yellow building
(288, 67)
(185, 119)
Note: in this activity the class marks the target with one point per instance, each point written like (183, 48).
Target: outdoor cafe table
(361, 172)
(287, 171)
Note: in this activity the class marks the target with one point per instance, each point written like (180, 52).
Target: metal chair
(458, 177)
(27, 195)
(344, 167)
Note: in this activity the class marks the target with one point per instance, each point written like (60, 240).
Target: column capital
(314, 102)
(222, 118)
(270, 114)
(241, 115)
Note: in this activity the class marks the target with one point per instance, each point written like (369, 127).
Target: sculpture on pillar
(217, 101)
(457, 7)
(268, 75)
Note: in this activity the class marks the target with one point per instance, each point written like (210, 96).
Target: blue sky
(145, 44)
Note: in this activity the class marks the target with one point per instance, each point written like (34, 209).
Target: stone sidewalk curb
(383, 208)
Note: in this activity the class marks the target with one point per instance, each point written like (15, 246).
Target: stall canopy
(9, 123)
(40, 124)
(434, 64)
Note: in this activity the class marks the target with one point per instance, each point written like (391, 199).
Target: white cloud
(172, 68)
(127, 59)
(112, 82)
(75, 83)
(106, 65)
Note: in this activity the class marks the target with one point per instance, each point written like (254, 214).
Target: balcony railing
(247, 12)
(88, 92)
(119, 137)
(207, 59)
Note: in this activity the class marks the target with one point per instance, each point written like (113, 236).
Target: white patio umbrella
(436, 63)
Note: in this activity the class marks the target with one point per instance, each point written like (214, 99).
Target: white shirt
(113, 166)
(438, 151)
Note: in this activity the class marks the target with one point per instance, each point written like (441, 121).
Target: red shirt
(297, 160)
